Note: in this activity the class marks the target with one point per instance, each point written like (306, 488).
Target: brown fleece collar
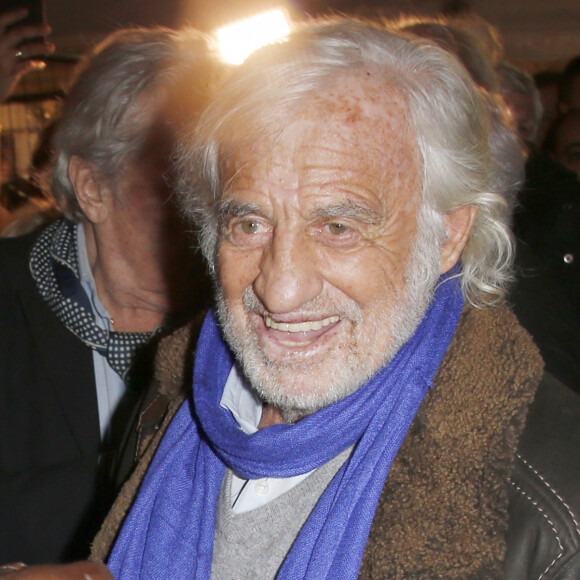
(443, 512)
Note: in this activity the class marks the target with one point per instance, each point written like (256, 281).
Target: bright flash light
(237, 41)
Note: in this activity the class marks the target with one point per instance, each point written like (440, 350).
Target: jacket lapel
(68, 364)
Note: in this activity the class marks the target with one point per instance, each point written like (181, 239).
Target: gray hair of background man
(514, 80)
(455, 37)
(449, 115)
(106, 116)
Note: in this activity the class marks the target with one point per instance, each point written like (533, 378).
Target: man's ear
(93, 195)
(458, 224)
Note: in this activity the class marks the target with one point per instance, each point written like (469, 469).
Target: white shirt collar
(102, 317)
(241, 401)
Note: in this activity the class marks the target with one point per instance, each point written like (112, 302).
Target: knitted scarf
(170, 530)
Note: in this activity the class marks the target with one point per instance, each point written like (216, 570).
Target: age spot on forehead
(356, 129)
(353, 93)
(374, 113)
(367, 103)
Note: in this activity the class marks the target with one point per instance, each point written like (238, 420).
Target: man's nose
(288, 276)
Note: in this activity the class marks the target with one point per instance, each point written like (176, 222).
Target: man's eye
(336, 228)
(247, 231)
(250, 226)
(339, 234)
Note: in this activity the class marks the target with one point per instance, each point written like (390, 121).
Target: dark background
(536, 33)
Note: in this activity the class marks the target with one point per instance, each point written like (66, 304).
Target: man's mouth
(300, 326)
(299, 334)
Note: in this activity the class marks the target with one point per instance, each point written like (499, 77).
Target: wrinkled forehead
(358, 120)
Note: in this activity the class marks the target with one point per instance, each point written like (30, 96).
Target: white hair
(469, 156)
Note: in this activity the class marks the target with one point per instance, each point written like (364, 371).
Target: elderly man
(361, 390)
(82, 300)
(357, 401)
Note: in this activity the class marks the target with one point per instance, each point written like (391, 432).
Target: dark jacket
(544, 531)
(546, 295)
(544, 311)
(546, 222)
(49, 427)
(57, 478)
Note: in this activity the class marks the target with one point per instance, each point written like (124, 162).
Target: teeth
(300, 326)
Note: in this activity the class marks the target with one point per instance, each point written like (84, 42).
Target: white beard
(300, 386)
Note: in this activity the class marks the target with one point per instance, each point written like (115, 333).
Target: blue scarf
(169, 532)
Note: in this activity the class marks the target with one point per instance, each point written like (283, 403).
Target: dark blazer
(49, 428)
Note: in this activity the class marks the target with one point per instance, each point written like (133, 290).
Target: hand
(76, 571)
(13, 58)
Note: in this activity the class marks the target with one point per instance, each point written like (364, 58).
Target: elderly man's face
(316, 244)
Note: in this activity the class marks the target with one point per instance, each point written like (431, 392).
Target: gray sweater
(253, 545)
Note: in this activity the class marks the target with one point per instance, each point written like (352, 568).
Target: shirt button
(568, 258)
(262, 487)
